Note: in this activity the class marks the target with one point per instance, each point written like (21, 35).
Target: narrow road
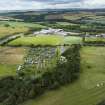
(9, 38)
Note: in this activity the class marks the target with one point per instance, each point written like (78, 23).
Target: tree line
(15, 90)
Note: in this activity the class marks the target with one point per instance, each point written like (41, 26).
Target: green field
(8, 27)
(65, 23)
(39, 40)
(95, 39)
(45, 40)
(88, 90)
(72, 40)
(7, 70)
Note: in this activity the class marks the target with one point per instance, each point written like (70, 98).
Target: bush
(6, 25)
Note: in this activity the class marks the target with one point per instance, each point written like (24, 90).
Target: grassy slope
(4, 31)
(85, 90)
(15, 27)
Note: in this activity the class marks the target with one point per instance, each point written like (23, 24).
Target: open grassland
(85, 17)
(8, 28)
(94, 19)
(76, 16)
(95, 39)
(72, 40)
(7, 70)
(72, 17)
(65, 23)
(10, 58)
(45, 40)
(88, 90)
(4, 31)
(13, 24)
(39, 40)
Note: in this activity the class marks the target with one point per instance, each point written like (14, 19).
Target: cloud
(20, 5)
(52, 4)
(93, 3)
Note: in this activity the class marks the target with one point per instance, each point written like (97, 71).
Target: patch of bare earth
(9, 55)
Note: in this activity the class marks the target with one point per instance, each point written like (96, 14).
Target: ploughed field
(88, 90)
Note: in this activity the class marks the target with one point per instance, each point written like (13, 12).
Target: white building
(51, 31)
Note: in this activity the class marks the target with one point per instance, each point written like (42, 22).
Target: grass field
(4, 31)
(72, 40)
(65, 23)
(95, 39)
(15, 27)
(10, 58)
(7, 70)
(85, 91)
(45, 40)
(39, 40)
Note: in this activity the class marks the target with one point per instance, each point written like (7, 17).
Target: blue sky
(52, 4)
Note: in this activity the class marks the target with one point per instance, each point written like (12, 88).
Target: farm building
(52, 31)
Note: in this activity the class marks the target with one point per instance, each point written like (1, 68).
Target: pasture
(65, 23)
(95, 39)
(52, 40)
(39, 40)
(72, 40)
(9, 27)
(88, 90)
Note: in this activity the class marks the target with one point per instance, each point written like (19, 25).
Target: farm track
(10, 38)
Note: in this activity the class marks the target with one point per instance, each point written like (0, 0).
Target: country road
(9, 38)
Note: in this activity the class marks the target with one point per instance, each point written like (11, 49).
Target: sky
(50, 4)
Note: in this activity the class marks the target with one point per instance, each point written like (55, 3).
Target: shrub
(6, 25)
